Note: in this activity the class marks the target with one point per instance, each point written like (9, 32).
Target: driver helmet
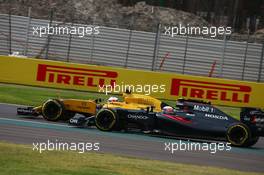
(112, 99)
(167, 110)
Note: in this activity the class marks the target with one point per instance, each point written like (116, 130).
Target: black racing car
(189, 119)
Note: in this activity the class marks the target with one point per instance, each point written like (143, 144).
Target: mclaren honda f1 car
(188, 119)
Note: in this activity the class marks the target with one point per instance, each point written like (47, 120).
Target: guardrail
(135, 49)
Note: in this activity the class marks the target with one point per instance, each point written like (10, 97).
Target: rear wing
(253, 118)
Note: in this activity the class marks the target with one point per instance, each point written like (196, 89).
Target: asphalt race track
(25, 130)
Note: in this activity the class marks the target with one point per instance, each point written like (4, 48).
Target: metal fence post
(69, 48)
(48, 39)
(128, 47)
(92, 44)
(10, 30)
(156, 47)
(261, 63)
(185, 53)
(69, 45)
(223, 55)
(245, 58)
(27, 33)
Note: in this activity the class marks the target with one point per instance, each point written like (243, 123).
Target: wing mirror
(98, 100)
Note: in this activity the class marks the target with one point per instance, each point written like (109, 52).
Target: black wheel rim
(105, 120)
(51, 110)
(237, 135)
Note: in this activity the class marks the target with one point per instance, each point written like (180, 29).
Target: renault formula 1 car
(65, 109)
(189, 119)
(61, 109)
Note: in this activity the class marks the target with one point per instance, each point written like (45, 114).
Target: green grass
(20, 159)
(232, 111)
(34, 96)
(28, 95)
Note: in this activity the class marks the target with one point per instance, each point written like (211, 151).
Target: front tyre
(52, 110)
(238, 135)
(106, 120)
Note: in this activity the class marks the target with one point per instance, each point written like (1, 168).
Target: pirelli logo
(75, 76)
(210, 90)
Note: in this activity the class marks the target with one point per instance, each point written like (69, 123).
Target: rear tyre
(52, 110)
(252, 141)
(238, 135)
(106, 120)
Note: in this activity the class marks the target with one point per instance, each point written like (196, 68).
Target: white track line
(11, 104)
(54, 124)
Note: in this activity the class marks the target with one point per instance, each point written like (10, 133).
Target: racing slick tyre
(238, 135)
(52, 110)
(106, 120)
(252, 141)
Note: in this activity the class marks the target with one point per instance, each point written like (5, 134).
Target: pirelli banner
(102, 79)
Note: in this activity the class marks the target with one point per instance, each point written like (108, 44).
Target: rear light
(253, 119)
(185, 109)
